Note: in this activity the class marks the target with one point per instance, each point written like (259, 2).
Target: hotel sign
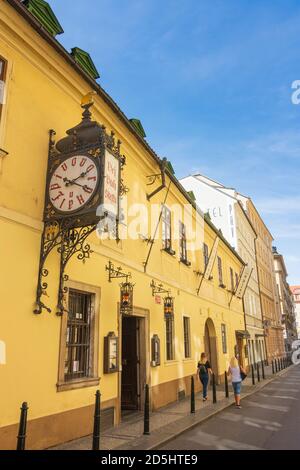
(243, 282)
(111, 185)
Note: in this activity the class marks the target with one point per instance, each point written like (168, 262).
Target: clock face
(73, 183)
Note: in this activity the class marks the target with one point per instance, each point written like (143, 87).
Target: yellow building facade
(44, 87)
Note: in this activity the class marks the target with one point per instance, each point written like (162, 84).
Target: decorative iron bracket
(73, 243)
(198, 273)
(68, 242)
(153, 178)
(51, 237)
(158, 289)
(116, 273)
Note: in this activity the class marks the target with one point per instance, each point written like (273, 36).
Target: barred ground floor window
(78, 362)
(187, 337)
(169, 338)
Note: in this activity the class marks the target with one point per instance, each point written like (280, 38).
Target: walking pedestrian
(204, 369)
(237, 374)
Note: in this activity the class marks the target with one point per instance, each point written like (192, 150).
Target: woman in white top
(235, 371)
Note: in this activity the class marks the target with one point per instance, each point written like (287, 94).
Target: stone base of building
(58, 428)
(62, 427)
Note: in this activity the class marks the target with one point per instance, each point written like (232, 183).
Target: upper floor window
(205, 255)
(231, 280)
(3, 67)
(166, 230)
(182, 244)
(220, 272)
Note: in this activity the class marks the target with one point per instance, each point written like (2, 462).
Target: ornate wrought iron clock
(84, 172)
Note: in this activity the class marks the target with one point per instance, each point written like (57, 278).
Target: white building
(227, 210)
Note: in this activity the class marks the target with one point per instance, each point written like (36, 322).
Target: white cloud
(280, 205)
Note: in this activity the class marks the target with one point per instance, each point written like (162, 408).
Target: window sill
(171, 362)
(77, 383)
(169, 251)
(185, 262)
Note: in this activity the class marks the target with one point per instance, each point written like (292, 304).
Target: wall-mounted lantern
(111, 350)
(126, 300)
(126, 288)
(155, 351)
(169, 307)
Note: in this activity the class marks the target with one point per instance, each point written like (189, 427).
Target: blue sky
(211, 82)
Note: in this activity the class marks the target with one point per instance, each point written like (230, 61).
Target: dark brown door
(129, 398)
(210, 345)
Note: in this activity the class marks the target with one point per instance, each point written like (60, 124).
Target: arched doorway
(210, 345)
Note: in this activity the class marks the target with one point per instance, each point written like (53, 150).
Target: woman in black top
(204, 369)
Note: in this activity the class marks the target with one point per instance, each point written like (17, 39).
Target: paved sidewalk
(167, 422)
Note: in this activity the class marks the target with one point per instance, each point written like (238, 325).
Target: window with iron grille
(231, 280)
(220, 271)
(166, 229)
(187, 337)
(182, 243)
(3, 67)
(78, 344)
(224, 338)
(205, 255)
(169, 339)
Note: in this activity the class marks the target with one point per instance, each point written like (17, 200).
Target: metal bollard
(214, 388)
(258, 373)
(226, 386)
(252, 373)
(262, 370)
(192, 395)
(276, 367)
(273, 370)
(96, 431)
(21, 439)
(147, 411)
(282, 363)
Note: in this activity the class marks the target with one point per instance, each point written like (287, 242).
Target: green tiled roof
(169, 166)
(192, 195)
(83, 59)
(42, 11)
(138, 127)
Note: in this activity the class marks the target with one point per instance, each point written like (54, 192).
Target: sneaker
(238, 406)
(205, 399)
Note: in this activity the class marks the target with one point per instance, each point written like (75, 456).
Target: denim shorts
(237, 387)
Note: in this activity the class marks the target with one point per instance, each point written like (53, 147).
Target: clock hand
(86, 188)
(82, 175)
(70, 182)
